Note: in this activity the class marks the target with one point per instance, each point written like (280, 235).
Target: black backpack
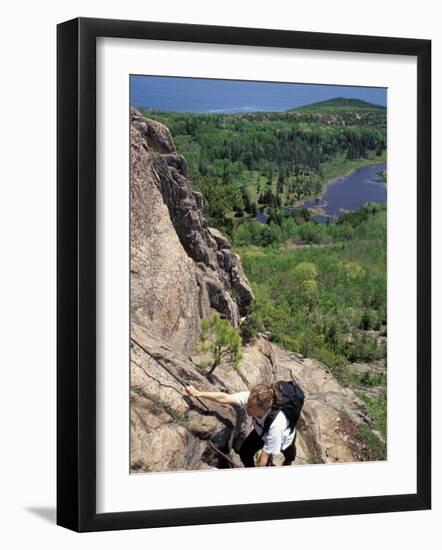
(293, 400)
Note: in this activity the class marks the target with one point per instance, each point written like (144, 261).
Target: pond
(344, 194)
(349, 193)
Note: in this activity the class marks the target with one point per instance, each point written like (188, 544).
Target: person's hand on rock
(192, 391)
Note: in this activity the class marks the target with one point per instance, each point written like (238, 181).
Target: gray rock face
(169, 430)
(164, 289)
(156, 135)
(155, 164)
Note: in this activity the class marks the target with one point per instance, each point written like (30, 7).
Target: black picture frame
(76, 274)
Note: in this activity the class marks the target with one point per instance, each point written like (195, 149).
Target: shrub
(220, 338)
(377, 411)
(305, 271)
(364, 348)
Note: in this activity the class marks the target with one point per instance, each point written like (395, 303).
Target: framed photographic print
(243, 274)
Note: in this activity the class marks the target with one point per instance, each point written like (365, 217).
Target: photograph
(258, 274)
(220, 228)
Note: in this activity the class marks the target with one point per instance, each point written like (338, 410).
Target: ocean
(234, 96)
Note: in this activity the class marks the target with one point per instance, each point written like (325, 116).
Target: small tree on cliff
(222, 339)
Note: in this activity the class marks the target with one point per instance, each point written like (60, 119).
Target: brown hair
(266, 396)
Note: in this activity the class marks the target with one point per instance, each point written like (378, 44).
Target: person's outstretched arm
(217, 396)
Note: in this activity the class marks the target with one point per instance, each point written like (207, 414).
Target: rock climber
(258, 403)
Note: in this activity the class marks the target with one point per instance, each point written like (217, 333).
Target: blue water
(350, 192)
(261, 217)
(236, 96)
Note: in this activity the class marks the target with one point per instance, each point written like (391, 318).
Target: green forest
(320, 289)
(244, 162)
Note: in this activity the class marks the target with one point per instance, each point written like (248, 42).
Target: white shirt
(279, 436)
